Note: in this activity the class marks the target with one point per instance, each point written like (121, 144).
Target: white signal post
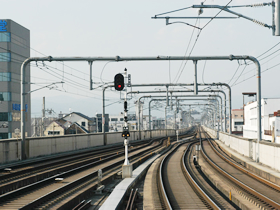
(126, 168)
(126, 142)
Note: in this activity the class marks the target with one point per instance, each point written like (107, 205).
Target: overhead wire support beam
(193, 17)
(275, 13)
(151, 58)
(229, 11)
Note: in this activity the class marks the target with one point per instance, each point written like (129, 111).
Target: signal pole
(126, 168)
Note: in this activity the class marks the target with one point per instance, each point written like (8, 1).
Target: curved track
(29, 189)
(252, 187)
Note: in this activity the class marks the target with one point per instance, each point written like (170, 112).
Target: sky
(108, 28)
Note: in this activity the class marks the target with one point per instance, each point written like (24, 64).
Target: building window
(5, 57)
(121, 119)
(83, 123)
(241, 115)
(5, 76)
(5, 37)
(5, 96)
(4, 135)
(114, 119)
(5, 116)
(53, 132)
(235, 115)
(238, 123)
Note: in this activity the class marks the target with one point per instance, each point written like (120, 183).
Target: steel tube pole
(200, 84)
(195, 88)
(184, 91)
(155, 58)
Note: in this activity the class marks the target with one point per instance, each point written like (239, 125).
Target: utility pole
(43, 117)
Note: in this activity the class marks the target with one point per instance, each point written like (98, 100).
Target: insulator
(261, 4)
(260, 23)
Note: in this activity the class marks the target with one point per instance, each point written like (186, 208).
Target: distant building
(99, 120)
(73, 123)
(15, 48)
(62, 127)
(270, 120)
(116, 122)
(237, 120)
(38, 125)
(158, 124)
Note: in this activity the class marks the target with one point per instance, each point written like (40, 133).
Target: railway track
(78, 178)
(252, 188)
(29, 173)
(39, 192)
(173, 177)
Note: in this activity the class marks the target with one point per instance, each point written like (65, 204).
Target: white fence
(10, 149)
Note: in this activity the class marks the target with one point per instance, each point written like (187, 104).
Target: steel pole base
(126, 171)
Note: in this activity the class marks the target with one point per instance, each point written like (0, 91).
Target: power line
(268, 50)
(203, 68)
(216, 15)
(255, 74)
(240, 75)
(234, 73)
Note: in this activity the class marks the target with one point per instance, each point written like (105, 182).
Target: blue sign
(3, 24)
(16, 107)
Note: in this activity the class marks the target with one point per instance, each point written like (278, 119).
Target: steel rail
(79, 160)
(194, 183)
(199, 190)
(164, 195)
(238, 182)
(241, 168)
(48, 180)
(79, 181)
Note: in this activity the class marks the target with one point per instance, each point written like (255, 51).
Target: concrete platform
(116, 198)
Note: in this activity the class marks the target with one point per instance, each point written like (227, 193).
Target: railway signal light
(119, 82)
(125, 134)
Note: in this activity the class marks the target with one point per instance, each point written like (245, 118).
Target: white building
(116, 122)
(270, 120)
(237, 120)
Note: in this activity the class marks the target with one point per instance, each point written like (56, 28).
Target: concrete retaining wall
(269, 152)
(10, 149)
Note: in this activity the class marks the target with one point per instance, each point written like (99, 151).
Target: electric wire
(73, 93)
(240, 75)
(14, 41)
(198, 37)
(203, 68)
(234, 74)
(73, 83)
(255, 74)
(216, 15)
(268, 50)
(185, 55)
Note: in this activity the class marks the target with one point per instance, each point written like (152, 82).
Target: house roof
(58, 123)
(80, 114)
(81, 127)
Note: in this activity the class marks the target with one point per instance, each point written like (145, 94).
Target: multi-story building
(237, 120)
(270, 120)
(116, 122)
(14, 49)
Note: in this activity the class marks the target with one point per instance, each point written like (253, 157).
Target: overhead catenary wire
(197, 39)
(240, 75)
(178, 72)
(46, 55)
(255, 74)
